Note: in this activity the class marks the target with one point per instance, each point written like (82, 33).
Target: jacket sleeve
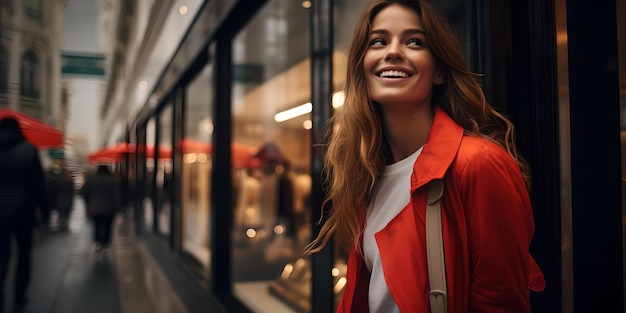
(500, 227)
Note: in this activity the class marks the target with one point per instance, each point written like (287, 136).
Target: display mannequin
(302, 191)
(248, 203)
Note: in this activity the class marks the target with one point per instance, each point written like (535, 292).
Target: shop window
(28, 75)
(197, 169)
(148, 185)
(4, 69)
(164, 178)
(272, 180)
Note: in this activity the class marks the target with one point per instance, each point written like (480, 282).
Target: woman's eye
(415, 42)
(377, 42)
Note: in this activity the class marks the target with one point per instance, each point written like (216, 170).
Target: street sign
(73, 64)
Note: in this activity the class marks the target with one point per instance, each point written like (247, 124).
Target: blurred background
(209, 112)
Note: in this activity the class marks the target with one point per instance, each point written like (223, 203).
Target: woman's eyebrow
(405, 32)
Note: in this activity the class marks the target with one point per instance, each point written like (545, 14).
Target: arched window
(4, 69)
(28, 75)
(33, 8)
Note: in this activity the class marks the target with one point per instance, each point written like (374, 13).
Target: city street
(68, 277)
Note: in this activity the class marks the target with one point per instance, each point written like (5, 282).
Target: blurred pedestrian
(22, 192)
(102, 198)
(60, 190)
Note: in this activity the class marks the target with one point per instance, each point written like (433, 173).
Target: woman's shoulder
(482, 153)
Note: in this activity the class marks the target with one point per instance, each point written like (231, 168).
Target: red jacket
(487, 229)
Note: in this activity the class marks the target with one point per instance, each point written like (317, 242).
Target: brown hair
(355, 158)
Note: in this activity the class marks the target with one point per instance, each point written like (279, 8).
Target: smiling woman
(415, 115)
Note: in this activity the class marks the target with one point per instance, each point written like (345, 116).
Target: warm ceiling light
(293, 112)
(183, 9)
(307, 124)
(306, 4)
(143, 84)
(337, 101)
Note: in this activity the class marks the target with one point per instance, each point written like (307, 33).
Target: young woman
(414, 113)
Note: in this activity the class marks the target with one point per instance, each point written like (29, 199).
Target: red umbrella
(36, 132)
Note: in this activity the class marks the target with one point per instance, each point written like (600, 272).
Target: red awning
(111, 154)
(241, 154)
(36, 132)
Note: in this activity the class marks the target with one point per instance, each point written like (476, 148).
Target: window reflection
(164, 178)
(272, 185)
(196, 170)
(148, 206)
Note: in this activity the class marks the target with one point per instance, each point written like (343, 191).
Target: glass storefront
(148, 182)
(271, 215)
(164, 179)
(196, 170)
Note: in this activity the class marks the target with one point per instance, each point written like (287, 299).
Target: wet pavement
(68, 277)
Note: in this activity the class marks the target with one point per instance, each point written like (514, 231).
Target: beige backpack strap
(438, 296)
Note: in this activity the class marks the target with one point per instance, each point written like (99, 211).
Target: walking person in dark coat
(22, 191)
(102, 198)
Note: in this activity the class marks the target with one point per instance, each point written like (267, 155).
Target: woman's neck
(407, 130)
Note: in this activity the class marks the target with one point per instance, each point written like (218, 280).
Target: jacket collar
(442, 144)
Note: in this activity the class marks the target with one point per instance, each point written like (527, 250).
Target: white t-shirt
(392, 194)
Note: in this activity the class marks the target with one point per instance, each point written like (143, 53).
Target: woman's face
(399, 66)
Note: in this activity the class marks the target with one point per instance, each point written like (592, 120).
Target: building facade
(201, 88)
(31, 36)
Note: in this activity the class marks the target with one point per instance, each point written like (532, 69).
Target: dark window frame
(29, 74)
(4, 69)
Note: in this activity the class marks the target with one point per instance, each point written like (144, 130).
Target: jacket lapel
(441, 146)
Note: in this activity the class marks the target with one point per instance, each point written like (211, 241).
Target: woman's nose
(394, 52)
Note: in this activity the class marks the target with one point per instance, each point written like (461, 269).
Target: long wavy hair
(355, 155)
